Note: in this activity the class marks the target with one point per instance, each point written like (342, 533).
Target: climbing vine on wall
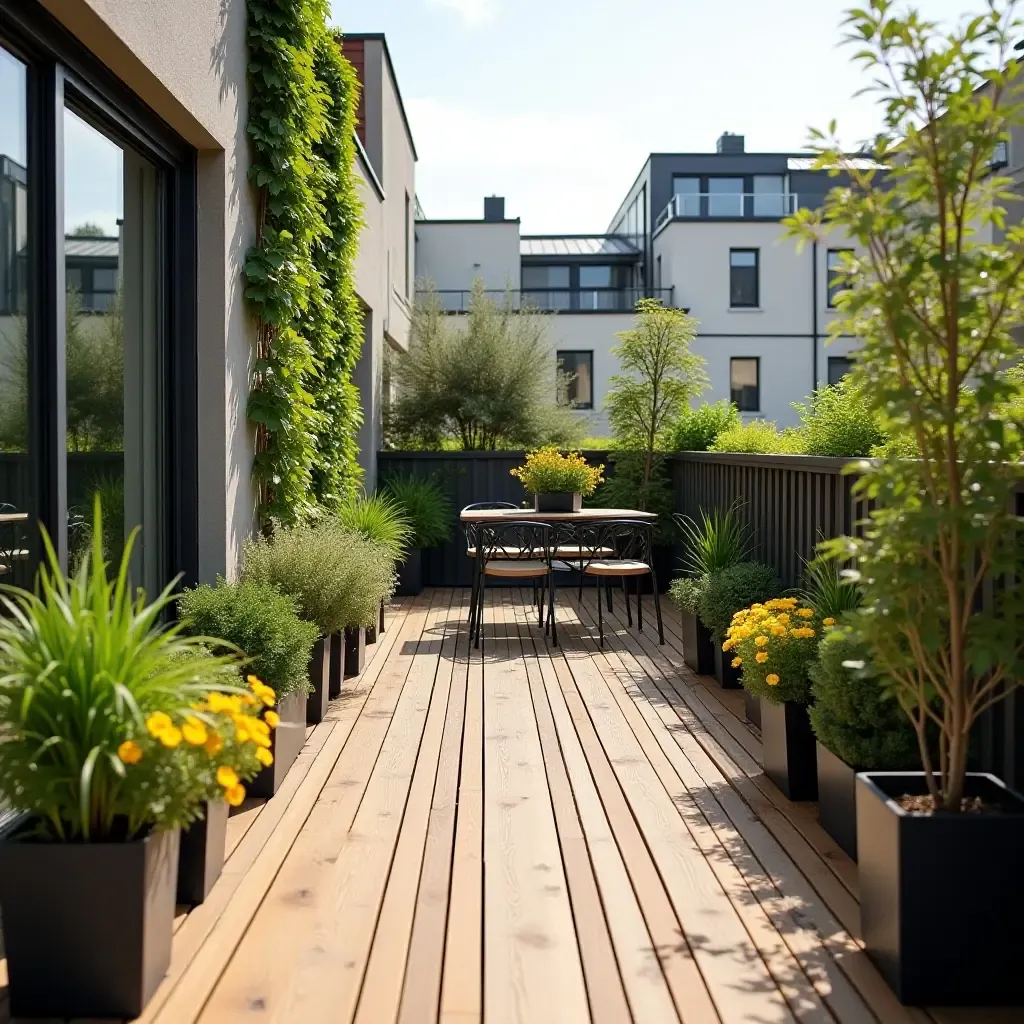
(302, 98)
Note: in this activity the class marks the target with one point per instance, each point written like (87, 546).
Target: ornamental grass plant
(378, 517)
(548, 471)
(718, 541)
(775, 643)
(425, 504)
(113, 722)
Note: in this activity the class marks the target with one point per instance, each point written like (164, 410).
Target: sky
(555, 104)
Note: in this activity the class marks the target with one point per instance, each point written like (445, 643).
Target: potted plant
(722, 596)
(719, 541)
(263, 624)
(558, 482)
(935, 299)
(368, 570)
(774, 643)
(429, 512)
(110, 745)
(858, 727)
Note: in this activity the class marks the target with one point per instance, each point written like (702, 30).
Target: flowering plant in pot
(934, 291)
(558, 482)
(774, 643)
(114, 738)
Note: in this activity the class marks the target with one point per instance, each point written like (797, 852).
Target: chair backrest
(631, 539)
(518, 539)
(471, 529)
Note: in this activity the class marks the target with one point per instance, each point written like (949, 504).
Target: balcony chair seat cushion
(617, 567)
(516, 567)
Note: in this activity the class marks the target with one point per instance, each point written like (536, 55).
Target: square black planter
(87, 926)
(410, 574)
(337, 672)
(355, 650)
(698, 647)
(319, 679)
(752, 708)
(727, 676)
(837, 799)
(201, 854)
(788, 749)
(285, 743)
(941, 898)
(557, 501)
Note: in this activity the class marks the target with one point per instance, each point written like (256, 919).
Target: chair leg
(657, 609)
(625, 597)
(472, 597)
(600, 612)
(480, 609)
(608, 596)
(639, 604)
(551, 608)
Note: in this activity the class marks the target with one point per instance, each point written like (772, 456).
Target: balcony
(729, 206)
(560, 300)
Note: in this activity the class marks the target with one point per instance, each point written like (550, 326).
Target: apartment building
(699, 231)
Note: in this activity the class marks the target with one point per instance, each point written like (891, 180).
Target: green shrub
(379, 518)
(839, 421)
(697, 428)
(758, 437)
(686, 592)
(625, 488)
(425, 504)
(733, 589)
(262, 623)
(851, 714)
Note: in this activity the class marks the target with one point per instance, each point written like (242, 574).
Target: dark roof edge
(640, 174)
(371, 174)
(378, 37)
(465, 220)
(587, 234)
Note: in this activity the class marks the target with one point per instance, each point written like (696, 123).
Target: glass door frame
(61, 72)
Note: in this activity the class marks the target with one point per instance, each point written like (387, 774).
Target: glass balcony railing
(559, 300)
(708, 205)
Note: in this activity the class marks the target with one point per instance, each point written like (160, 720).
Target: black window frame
(748, 205)
(756, 304)
(734, 392)
(835, 361)
(62, 73)
(589, 353)
(833, 287)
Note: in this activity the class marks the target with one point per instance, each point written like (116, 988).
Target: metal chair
(470, 530)
(13, 546)
(517, 550)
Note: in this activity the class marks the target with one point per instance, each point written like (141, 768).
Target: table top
(586, 515)
(13, 517)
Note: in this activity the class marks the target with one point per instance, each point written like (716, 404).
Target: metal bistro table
(586, 515)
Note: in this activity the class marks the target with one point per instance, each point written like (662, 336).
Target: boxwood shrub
(733, 589)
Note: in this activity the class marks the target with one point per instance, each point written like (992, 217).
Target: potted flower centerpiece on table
(558, 482)
(114, 737)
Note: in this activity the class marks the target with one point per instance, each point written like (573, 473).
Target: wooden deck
(529, 834)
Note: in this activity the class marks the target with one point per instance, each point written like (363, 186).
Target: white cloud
(473, 12)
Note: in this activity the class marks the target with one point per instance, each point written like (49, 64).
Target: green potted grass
(558, 482)
(426, 507)
(113, 741)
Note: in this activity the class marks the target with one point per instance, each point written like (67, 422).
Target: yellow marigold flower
(214, 744)
(157, 723)
(226, 776)
(757, 606)
(268, 696)
(772, 679)
(170, 737)
(736, 662)
(264, 756)
(272, 718)
(194, 732)
(259, 739)
(254, 681)
(130, 752)
(805, 613)
(249, 700)
(761, 641)
(242, 735)
(235, 795)
(762, 657)
(218, 702)
(778, 630)
(828, 622)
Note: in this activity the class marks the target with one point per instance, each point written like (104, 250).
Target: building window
(725, 197)
(745, 383)
(687, 196)
(577, 369)
(838, 368)
(546, 287)
(834, 281)
(408, 261)
(1000, 156)
(743, 279)
(769, 195)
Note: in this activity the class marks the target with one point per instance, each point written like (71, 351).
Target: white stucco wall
(451, 254)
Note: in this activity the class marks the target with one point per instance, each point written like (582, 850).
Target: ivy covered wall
(299, 275)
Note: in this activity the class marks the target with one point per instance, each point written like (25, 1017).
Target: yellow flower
(828, 622)
(254, 681)
(260, 741)
(130, 752)
(761, 641)
(157, 723)
(194, 732)
(771, 679)
(736, 662)
(268, 696)
(227, 777)
(784, 618)
(218, 702)
(272, 718)
(214, 744)
(778, 630)
(264, 756)
(762, 657)
(235, 795)
(170, 737)
(805, 613)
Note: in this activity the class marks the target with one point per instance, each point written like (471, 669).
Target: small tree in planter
(114, 736)
(934, 300)
(558, 482)
(775, 643)
(426, 505)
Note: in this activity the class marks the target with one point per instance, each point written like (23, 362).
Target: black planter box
(727, 676)
(698, 647)
(371, 634)
(752, 708)
(201, 854)
(410, 574)
(355, 650)
(837, 800)
(285, 743)
(558, 501)
(87, 926)
(337, 664)
(941, 897)
(788, 748)
(319, 679)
